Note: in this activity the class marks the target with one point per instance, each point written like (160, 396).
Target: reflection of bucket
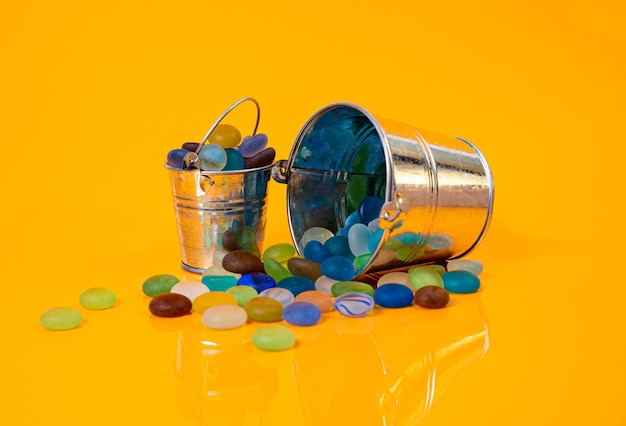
(437, 190)
(209, 204)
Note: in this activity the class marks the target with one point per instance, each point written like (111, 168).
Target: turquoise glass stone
(234, 160)
(219, 282)
(339, 246)
(460, 282)
(338, 268)
(212, 157)
(296, 284)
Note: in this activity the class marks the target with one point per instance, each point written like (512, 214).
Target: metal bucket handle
(225, 113)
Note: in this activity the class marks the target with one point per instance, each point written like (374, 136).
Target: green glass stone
(361, 261)
(273, 338)
(159, 284)
(97, 298)
(264, 309)
(279, 252)
(342, 287)
(61, 318)
(275, 270)
(424, 275)
(242, 293)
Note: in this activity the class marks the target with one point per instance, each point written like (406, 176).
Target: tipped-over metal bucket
(436, 191)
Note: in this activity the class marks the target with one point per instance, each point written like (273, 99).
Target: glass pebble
(276, 270)
(170, 305)
(473, 266)
(242, 262)
(338, 246)
(273, 338)
(262, 159)
(97, 298)
(439, 241)
(296, 284)
(212, 298)
(369, 209)
(252, 145)
(224, 317)
(315, 251)
(280, 252)
(230, 241)
(212, 157)
(361, 261)
(190, 146)
(321, 299)
(60, 318)
(282, 295)
(440, 269)
(393, 295)
(374, 239)
(225, 135)
(190, 289)
(358, 238)
(219, 282)
(242, 293)
(325, 284)
(373, 225)
(460, 282)
(181, 159)
(159, 284)
(423, 276)
(302, 314)
(395, 278)
(234, 160)
(338, 268)
(354, 304)
(304, 268)
(264, 309)
(257, 280)
(342, 287)
(315, 233)
(432, 297)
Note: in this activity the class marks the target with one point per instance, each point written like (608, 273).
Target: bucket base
(188, 268)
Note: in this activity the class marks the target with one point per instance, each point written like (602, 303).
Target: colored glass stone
(321, 299)
(170, 305)
(358, 238)
(393, 296)
(304, 268)
(473, 266)
(257, 280)
(224, 317)
(60, 318)
(252, 145)
(460, 282)
(302, 314)
(361, 261)
(296, 284)
(242, 293)
(213, 298)
(159, 284)
(219, 282)
(276, 270)
(282, 295)
(439, 241)
(273, 338)
(234, 160)
(354, 304)
(264, 309)
(262, 159)
(316, 233)
(374, 239)
(325, 284)
(212, 157)
(342, 287)
(432, 297)
(423, 276)
(97, 298)
(338, 268)
(225, 135)
(242, 262)
(395, 278)
(338, 246)
(315, 251)
(280, 252)
(369, 209)
(190, 289)
(181, 159)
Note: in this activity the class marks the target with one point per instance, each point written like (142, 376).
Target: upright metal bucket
(437, 191)
(210, 204)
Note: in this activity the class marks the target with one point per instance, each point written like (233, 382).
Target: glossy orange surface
(93, 97)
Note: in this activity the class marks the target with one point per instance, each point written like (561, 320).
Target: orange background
(94, 94)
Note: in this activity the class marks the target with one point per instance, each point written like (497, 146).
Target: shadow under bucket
(433, 194)
(211, 205)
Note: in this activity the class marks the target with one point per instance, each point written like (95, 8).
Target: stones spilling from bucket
(280, 286)
(225, 150)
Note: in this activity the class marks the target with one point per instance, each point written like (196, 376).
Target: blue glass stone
(219, 282)
(315, 251)
(354, 304)
(257, 280)
(352, 219)
(339, 246)
(296, 284)
(374, 240)
(212, 157)
(460, 282)
(338, 268)
(358, 238)
(234, 160)
(253, 145)
(302, 314)
(282, 295)
(181, 159)
(393, 295)
(369, 209)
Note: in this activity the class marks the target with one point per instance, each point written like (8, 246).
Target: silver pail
(436, 192)
(211, 204)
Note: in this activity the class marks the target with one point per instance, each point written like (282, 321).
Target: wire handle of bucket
(225, 113)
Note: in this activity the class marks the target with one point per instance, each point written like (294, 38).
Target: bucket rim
(221, 172)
